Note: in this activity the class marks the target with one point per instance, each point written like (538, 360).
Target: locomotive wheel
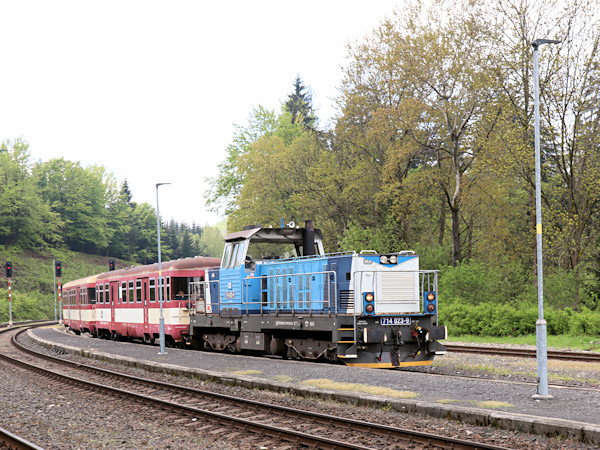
(277, 347)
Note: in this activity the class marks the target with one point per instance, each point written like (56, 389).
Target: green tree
(25, 219)
(421, 92)
(79, 196)
(224, 189)
(119, 215)
(299, 105)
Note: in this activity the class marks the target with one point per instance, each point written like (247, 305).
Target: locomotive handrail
(327, 279)
(298, 258)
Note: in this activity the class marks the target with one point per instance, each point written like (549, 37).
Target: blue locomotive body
(276, 292)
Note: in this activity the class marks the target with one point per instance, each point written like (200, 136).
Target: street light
(540, 325)
(160, 285)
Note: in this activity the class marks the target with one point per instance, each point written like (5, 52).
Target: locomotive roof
(263, 234)
(177, 264)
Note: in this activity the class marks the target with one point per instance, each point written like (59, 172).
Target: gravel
(52, 417)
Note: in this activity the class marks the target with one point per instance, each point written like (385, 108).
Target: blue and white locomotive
(277, 292)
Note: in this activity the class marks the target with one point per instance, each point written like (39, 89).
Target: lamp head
(538, 42)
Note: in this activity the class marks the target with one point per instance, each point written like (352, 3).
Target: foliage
(61, 204)
(493, 319)
(299, 105)
(24, 218)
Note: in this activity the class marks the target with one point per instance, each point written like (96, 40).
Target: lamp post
(161, 320)
(540, 325)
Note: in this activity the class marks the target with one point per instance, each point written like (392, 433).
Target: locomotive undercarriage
(321, 337)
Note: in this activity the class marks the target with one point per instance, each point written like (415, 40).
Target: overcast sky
(151, 89)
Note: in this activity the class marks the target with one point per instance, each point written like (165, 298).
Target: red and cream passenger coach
(125, 303)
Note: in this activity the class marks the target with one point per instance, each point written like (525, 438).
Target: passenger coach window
(123, 291)
(131, 292)
(138, 291)
(107, 293)
(91, 295)
(152, 290)
(100, 293)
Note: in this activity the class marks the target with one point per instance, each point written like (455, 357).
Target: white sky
(151, 89)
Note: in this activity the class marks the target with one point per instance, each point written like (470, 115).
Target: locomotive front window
(234, 253)
(226, 255)
(241, 253)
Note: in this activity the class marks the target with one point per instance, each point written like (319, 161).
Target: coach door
(114, 295)
(145, 303)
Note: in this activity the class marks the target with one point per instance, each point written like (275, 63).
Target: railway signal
(111, 264)
(58, 269)
(8, 269)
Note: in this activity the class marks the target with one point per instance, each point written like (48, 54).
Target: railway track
(12, 441)
(525, 353)
(279, 424)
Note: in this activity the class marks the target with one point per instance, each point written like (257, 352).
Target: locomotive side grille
(346, 299)
(398, 287)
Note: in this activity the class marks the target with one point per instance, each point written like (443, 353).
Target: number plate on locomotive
(395, 321)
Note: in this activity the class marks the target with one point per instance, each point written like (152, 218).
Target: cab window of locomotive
(226, 255)
(91, 296)
(234, 253)
(131, 293)
(152, 284)
(241, 253)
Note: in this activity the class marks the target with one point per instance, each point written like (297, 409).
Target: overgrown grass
(359, 387)
(561, 341)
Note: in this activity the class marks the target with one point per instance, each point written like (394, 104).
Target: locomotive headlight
(383, 259)
(430, 307)
(431, 296)
(369, 308)
(393, 259)
(369, 297)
